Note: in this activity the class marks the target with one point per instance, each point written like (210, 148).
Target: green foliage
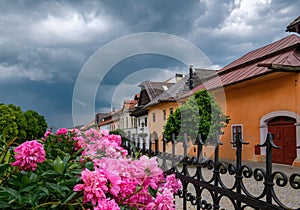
(8, 122)
(118, 132)
(36, 125)
(50, 186)
(24, 125)
(199, 115)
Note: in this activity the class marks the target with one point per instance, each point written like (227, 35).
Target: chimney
(178, 76)
(191, 82)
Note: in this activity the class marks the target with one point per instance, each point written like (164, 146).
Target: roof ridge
(294, 39)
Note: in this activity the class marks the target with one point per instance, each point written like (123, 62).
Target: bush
(73, 170)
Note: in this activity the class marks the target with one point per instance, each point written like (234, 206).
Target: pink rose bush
(85, 170)
(28, 155)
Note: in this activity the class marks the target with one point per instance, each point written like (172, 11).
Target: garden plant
(69, 169)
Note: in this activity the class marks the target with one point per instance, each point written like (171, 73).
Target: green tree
(8, 124)
(23, 125)
(36, 125)
(199, 115)
(20, 120)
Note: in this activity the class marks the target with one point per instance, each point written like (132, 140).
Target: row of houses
(260, 92)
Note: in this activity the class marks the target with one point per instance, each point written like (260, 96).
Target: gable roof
(294, 26)
(180, 87)
(150, 90)
(284, 52)
(129, 104)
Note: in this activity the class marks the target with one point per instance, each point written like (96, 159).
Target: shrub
(73, 170)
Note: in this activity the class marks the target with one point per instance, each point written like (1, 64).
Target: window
(236, 131)
(146, 121)
(171, 111)
(139, 121)
(153, 117)
(164, 115)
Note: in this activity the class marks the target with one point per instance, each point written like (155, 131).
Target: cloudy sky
(46, 47)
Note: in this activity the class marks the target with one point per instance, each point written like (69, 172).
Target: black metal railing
(199, 192)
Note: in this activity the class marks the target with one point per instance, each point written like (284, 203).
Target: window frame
(164, 114)
(153, 117)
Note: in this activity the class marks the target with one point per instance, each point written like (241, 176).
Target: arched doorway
(284, 131)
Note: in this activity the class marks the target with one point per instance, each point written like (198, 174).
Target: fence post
(144, 144)
(216, 170)
(184, 170)
(173, 150)
(269, 144)
(156, 144)
(164, 163)
(238, 176)
(198, 165)
(150, 145)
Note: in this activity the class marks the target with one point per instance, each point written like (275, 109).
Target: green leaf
(50, 172)
(12, 192)
(89, 165)
(58, 165)
(69, 197)
(44, 189)
(28, 188)
(4, 205)
(152, 191)
(55, 187)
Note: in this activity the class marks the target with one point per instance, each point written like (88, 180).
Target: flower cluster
(118, 180)
(110, 179)
(28, 155)
(100, 144)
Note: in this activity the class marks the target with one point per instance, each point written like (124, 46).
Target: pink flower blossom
(94, 186)
(48, 132)
(106, 204)
(28, 155)
(62, 131)
(172, 183)
(115, 138)
(104, 132)
(113, 181)
(163, 201)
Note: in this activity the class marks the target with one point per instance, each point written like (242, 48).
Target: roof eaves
(279, 67)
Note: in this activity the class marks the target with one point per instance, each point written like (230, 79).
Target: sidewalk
(287, 169)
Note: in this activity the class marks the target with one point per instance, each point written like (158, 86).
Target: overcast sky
(44, 45)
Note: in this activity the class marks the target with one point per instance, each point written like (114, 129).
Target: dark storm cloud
(165, 16)
(44, 44)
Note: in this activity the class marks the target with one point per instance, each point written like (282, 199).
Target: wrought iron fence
(200, 192)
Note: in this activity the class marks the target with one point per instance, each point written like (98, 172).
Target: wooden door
(284, 132)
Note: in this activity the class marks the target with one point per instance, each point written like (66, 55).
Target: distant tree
(8, 122)
(20, 120)
(199, 115)
(36, 124)
(14, 123)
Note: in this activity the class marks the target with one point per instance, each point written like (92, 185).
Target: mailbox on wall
(257, 149)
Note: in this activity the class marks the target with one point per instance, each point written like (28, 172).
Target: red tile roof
(263, 52)
(129, 104)
(284, 52)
